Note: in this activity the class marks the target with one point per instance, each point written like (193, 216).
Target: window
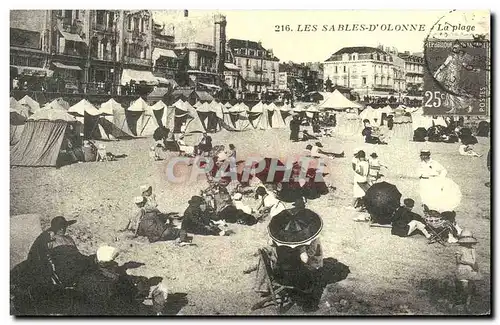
(364, 81)
(251, 52)
(129, 25)
(126, 49)
(248, 63)
(345, 68)
(111, 19)
(77, 14)
(100, 16)
(136, 23)
(336, 69)
(142, 25)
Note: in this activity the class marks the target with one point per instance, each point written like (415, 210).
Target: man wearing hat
(51, 238)
(56, 256)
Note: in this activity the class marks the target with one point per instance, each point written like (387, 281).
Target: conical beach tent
(259, 117)
(275, 117)
(18, 118)
(337, 101)
(30, 102)
(42, 139)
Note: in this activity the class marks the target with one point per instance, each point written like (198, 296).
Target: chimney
(186, 13)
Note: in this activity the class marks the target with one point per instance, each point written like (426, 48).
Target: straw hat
(237, 196)
(145, 188)
(101, 146)
(466, 237)
(425, 152)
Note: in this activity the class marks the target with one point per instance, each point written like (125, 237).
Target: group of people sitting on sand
(165, 140)
(56, 278)
(376, 134)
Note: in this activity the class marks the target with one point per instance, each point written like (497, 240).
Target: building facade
(368, 71)
(29, 48)
(197, 65)
(259, 68)
(414, 73)
(165, 61)
(105, 48)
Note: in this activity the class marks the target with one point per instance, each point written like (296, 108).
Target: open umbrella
(381, 200)
(295, 229)
(440, 194)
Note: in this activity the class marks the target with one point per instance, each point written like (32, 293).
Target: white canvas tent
(259, 117)
(32, 104)
(138, 105)
(84, 107)
(276, 119)
(337, 101)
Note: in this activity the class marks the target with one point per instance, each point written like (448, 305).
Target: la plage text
(351, 28)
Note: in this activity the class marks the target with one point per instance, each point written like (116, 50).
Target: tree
(328, 85)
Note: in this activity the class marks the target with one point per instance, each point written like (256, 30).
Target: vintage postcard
(220, 163)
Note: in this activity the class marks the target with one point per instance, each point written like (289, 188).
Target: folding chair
(274, 287)
(435, 234)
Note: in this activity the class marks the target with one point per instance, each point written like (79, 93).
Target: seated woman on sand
(197, 220)
(269, 204)
(185, 149)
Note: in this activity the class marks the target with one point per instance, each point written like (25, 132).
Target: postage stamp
(457, 78)
(457, 62)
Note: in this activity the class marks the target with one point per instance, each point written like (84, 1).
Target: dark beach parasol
(381, 200)
(294, 229)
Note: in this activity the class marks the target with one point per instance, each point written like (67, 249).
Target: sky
(313, 46)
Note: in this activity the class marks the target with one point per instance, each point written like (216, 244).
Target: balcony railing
(71, 52)
(105, 57)
(137, 61)
(195, 46)
(380, 86)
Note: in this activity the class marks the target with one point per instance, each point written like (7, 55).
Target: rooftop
(238, 43)
(357, 49)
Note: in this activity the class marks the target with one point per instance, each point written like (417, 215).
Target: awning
(157, 53)
(67, 67)
(211, 86)
(231, 66)
(147, 76)
(71, 37)
(33, 71)
(165, 81)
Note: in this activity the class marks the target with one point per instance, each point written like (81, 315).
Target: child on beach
(467, 273)
(375, 166)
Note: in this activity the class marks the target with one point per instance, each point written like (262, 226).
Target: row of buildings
(120, 51)
(108, 51)
(376, 71)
